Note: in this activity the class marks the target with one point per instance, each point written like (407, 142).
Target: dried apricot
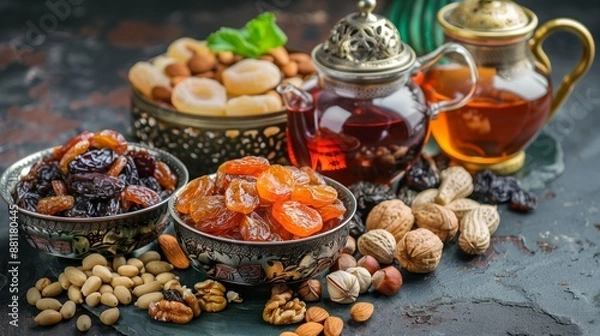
(242, 196)
(254, 228)
(297, 218)
(248, 165)
(333, 210)
(300, 177)
(203, 96)
(210, 215)
(275, 183)
(109, 139)
(251, 76)
(314, 195)
(315, 178)
(196, 188)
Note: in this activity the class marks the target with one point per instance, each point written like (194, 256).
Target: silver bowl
(204, 142)
(78, 237)
(260, 263)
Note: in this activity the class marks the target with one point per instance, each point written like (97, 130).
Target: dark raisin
(522, 201)
(144, 162)
(421, 175)
(130, 174)
(357, 226)
(80, 209)
(492, 189)
(173, 295)
(369, 194)
(151, 182)
(25, 196)
(95, 185)
(45, 174)
(92, 161)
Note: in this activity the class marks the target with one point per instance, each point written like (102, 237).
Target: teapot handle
(426, 61)
(585, 62)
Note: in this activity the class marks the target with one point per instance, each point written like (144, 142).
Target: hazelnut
(370, 263)
(344, 262)
(310, 290)
(350, 246)
(387, 281)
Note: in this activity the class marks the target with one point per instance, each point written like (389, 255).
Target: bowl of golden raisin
(207, 101)
(95, 193)
(253, 222)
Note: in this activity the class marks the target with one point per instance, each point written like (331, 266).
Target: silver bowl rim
(86, 220)
(347, 218)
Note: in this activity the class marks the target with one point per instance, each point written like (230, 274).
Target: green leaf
(258, 36)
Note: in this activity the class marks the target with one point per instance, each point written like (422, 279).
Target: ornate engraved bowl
(261, 263)
(77, 237)
(204, 142)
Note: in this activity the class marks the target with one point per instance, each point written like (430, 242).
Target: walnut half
(211, 296)
(282, 309)
(170, 311)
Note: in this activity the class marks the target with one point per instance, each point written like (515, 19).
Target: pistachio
(343, 287)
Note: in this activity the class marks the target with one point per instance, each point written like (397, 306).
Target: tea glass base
(509, 166)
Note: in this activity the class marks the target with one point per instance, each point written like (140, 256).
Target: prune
(421, 175)
(522, 201)
(95, 185)
(368, 195)
(275, 183)
(54, 204)
(141, 195)
(129, 173)
(109, 139)
(45, 174)
(92, 161)
(165, 177)
(78, 149)
(173, 295)
(144, 162)
(150, 182)
(297, 218)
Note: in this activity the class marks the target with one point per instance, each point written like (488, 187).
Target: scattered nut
(110, 316)
(92, 260)
(439, 220)
(369, 262)
(361, 311)
(170, 311)
(424, 197)
(387, 281)
(378, 243)
(474, 235)
(456, 183)
(363, 276)
(461, 206)
(48, 303)
(350, 246)
(419, 251)
(309, 329)
(48, 317)
(342, 286)
(333, 326)
(310, 290)
(33, 295)
(233, 296)
(68, 310)
(41, 283)
(344, 262)
(84, 322)
(316, 314)
(391, 215)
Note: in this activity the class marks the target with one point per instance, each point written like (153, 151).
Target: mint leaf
(257, 37)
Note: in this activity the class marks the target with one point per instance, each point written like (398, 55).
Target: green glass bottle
(416, 21)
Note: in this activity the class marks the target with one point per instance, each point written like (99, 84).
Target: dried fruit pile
(94, 175)
(220, 79)
(250, 199)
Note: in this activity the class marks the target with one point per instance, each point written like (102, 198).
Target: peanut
(42, 283)
(48, 317)
(47, 303)
(103, 273)
(93, 299)
(106, 288)
(157, 267)
(136, 262)
(33, 295)
(122, 281)
(118, 262)
(109, 299)
(64, 282)
(53, 289)
(68, 310)
(128, 270)
(84, 323)
(149, 256)
(153, 286)
(110, 316)
(123, 295)
(75, 276)
(166, 276)
(92, 260)
(147, 277)
(145, 300)
(91, 285)
(74, 294)
(137, 281)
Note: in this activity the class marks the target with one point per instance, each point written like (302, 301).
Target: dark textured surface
(539, 278)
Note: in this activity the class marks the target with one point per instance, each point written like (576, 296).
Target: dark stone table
(62, 72)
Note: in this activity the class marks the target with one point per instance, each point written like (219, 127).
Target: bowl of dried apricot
(207, 101)
(96, 193)
(256, 223)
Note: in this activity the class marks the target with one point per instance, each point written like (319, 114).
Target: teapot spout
(301, 123)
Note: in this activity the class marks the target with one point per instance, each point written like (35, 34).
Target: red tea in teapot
(353, 140)
(501, 119)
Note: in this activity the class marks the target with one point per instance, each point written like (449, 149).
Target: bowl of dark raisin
(256, 223)
(96, 193)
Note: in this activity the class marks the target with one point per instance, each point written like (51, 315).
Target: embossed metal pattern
(78, 237)
(203, 143)
(258, 263)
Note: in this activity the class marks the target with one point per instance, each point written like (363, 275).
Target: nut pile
(147, 281)
(194, 79)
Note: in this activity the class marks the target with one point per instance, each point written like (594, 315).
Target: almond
(316, 314)
(162, 93)
(177, 69)
(309, 329)
(361, 311)
(333, 326)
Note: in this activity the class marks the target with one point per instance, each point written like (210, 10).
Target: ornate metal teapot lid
(487, 19)
(363, 47)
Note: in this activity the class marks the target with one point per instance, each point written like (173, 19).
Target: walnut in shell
(424, 197)
(393, 216)
(419, 251)
(461, 206)
(456, 183)
(437, 219)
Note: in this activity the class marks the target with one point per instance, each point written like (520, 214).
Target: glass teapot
(514, 97)
(365, 119)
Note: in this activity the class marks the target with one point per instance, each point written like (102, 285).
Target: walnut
(393, 216)
(419, 251)
(191, 301)
(282, 309)
(437, 219)
(170, 311)
(211, 296)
